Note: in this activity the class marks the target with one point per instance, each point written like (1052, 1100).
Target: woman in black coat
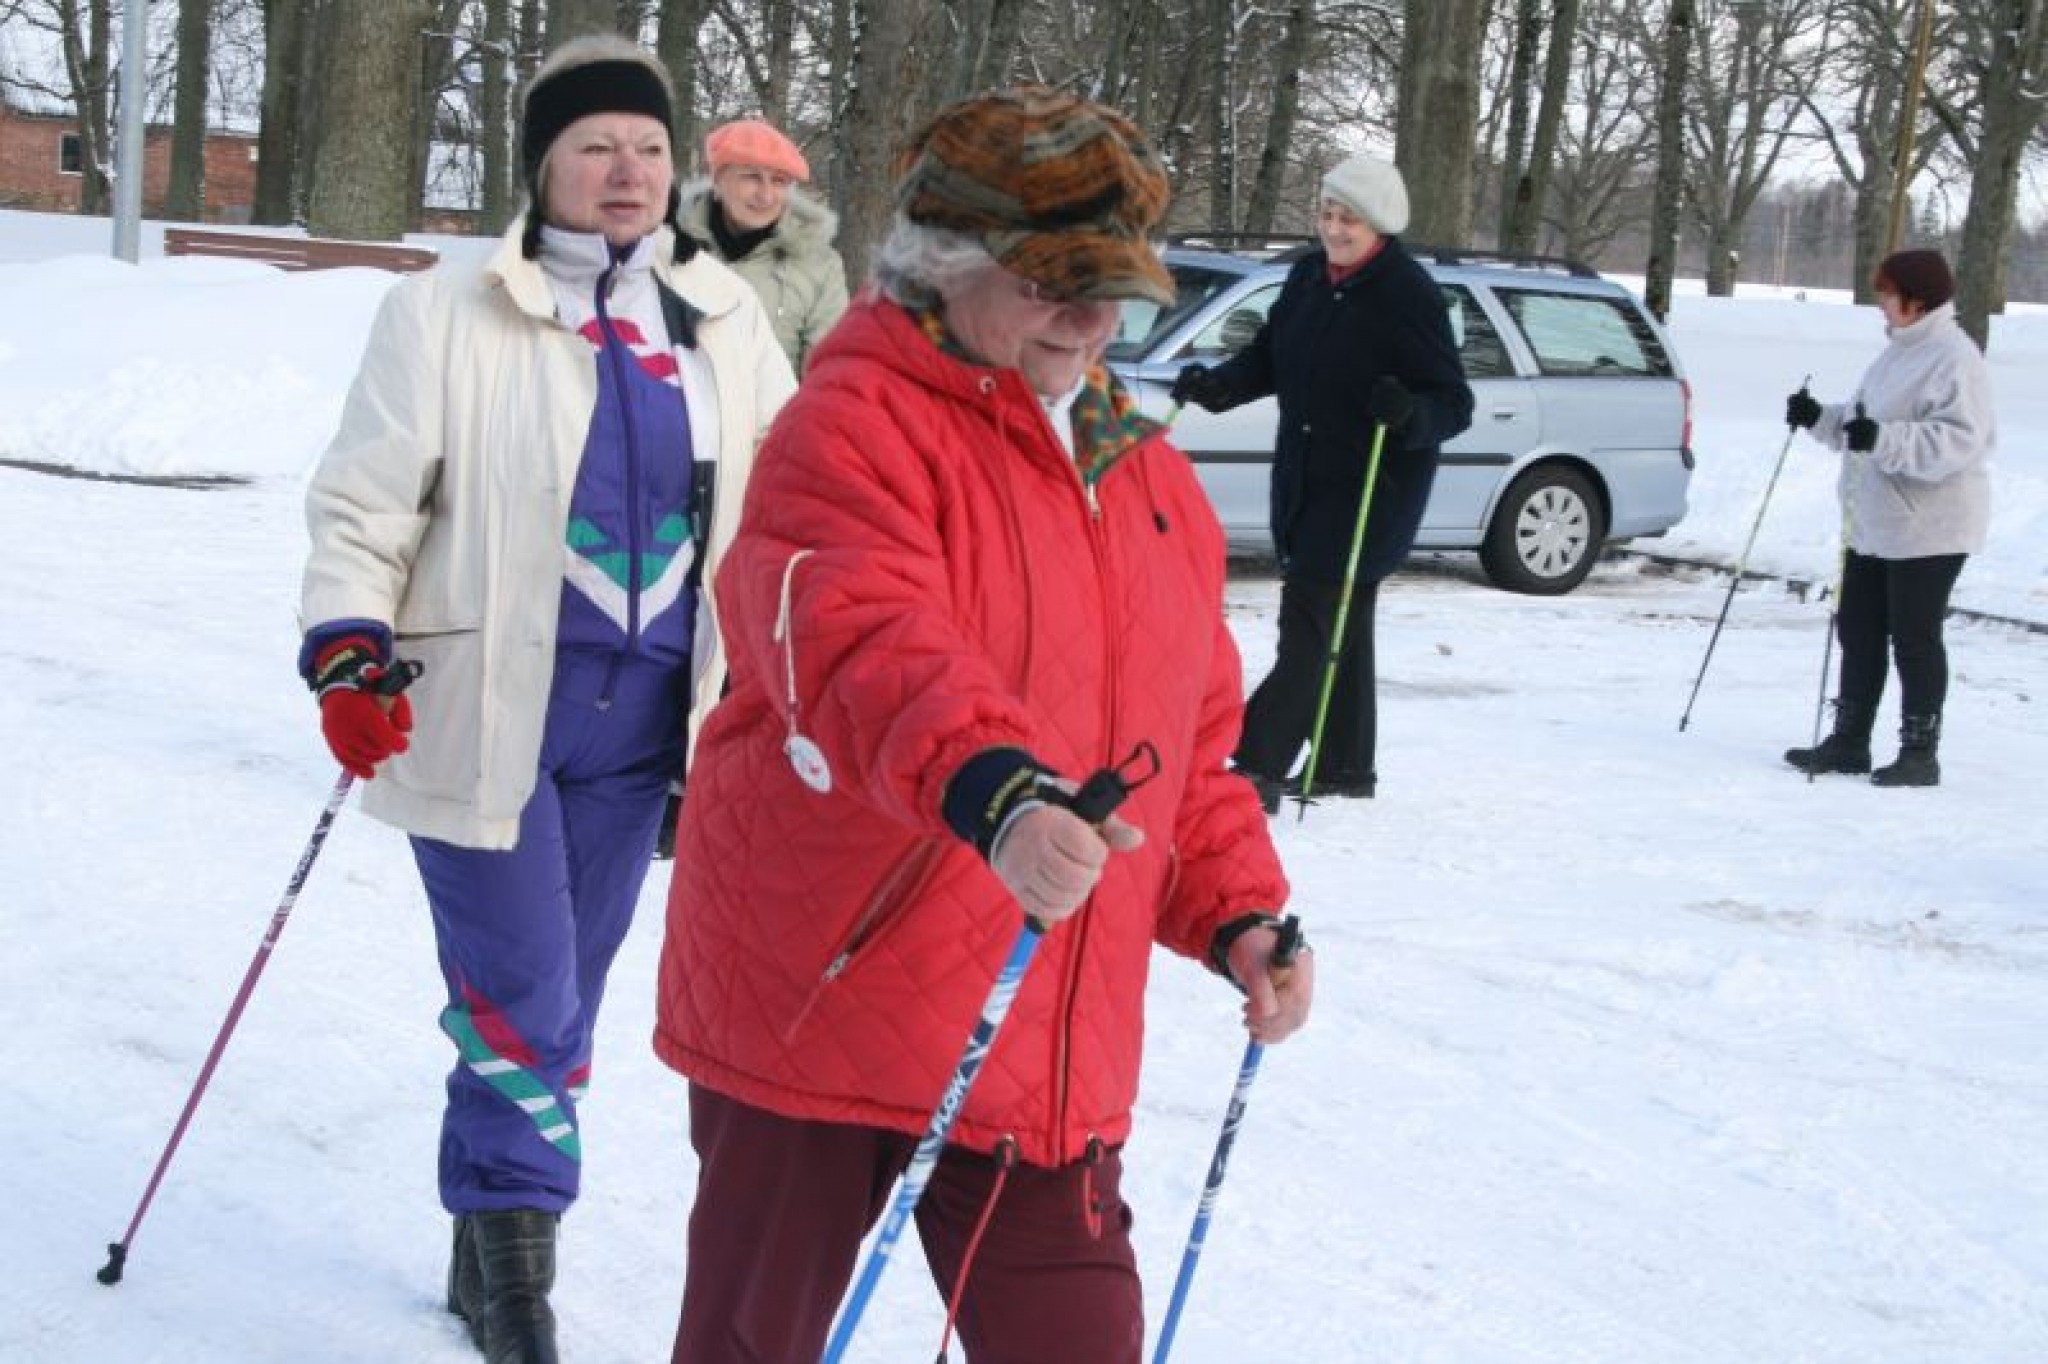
(1358, 338)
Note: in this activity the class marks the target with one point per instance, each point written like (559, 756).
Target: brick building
(40, 167)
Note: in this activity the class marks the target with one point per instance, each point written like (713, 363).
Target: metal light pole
(1909, 118)
(128, 137)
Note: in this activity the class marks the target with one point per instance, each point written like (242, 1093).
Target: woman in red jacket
(968, 571)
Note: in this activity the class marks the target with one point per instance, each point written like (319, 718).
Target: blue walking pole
(1095, 801)
(1219, 1163)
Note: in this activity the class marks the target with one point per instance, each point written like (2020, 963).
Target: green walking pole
(1315, 738)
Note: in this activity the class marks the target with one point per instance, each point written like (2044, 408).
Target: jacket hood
(806, 224)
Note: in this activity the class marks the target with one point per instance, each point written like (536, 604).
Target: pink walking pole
(400, 675)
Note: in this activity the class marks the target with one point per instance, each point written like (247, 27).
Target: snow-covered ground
(1632, 1045)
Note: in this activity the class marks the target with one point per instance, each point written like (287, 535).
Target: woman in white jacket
(1916, 500)
(538, 470)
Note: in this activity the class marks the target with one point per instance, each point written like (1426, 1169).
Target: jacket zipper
(612, 347)
(1070, 980)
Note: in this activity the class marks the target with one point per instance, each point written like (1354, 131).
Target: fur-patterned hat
(1059, 190)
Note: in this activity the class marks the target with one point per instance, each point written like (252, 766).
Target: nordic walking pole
(1315, 738)
(1827, 648)
(396, 680)
(1097, 799)
(1283, 957)
(1741, 562)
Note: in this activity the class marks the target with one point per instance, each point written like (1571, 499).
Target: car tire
(1546, 533)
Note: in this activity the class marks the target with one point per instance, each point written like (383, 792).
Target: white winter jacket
(441, 505)
(1926, 488)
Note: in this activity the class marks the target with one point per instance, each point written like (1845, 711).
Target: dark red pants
(782, 1205)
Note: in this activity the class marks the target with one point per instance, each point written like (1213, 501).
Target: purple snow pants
(782, 1205)
(526, 936)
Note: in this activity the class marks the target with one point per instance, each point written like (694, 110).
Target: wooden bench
(298, 253)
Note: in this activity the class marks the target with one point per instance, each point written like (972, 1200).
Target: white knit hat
(1372, 189)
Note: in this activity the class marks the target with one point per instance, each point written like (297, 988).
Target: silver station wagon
(1581, 426)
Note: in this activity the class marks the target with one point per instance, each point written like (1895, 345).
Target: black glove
(1860, 432)
(1390, 403)
(1197, 384)
(1802, 410)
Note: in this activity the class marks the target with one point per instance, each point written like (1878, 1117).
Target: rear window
(1479, 345)
(1581, 334)
(1141, 323)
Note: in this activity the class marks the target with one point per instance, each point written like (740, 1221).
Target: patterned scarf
(1107, 422)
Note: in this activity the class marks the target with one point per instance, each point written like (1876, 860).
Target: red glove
(362, 726)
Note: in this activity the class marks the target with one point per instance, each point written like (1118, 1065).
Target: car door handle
(1506, 414)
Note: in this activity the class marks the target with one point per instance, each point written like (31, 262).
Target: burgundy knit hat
(1061, 191)
(1919, 276)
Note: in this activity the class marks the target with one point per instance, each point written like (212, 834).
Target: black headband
(611, 86)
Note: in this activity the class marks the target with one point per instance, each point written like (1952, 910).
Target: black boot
(515, 1252)
(1919, 738)
(466, 1280)
(1845, 750)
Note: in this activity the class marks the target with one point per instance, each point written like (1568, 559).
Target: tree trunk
(84, 38)
(1666, 200)
(1532, 190)
(1222, 108)
(185, 197)
(675, 42)
(2012, 113)
(1514, 150)
(498, 199)
(878, 33)
(436, 56)
(575, 18)
(1441, 46)
(364, 183)
(277, 138)
(1288, 61)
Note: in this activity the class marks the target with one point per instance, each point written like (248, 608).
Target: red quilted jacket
(921, 574)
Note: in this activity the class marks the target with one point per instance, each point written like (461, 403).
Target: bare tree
(574, 18)
(1607, 147)
(497, 57)
(1665, 205)
(1288, 60)
(1525, 183)
(878, 62)
(287, 28)
(1441, 41)
(2009, 47)
(365, 181)
(675, 42)
(1752, 66)
(184, 197)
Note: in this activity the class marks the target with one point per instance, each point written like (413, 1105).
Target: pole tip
(117, 1260)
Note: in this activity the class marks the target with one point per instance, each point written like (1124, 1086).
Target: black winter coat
(1321, 349)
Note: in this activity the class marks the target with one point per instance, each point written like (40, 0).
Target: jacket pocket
(446, 755)
(886, 907)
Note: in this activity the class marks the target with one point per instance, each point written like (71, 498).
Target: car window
(1586, 334)
(1479, 343)
(1235, 329)
(1142, 323)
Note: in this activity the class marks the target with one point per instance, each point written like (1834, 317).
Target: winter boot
(1919, 738)
(466, 1280)
(515, 1251)
(1845, 750)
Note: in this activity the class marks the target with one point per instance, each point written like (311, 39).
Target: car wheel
(1546, 533)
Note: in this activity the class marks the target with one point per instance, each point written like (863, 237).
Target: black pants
(1281, 714)
(1895, 607)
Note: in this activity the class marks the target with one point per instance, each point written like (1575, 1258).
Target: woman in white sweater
(1916, 499)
